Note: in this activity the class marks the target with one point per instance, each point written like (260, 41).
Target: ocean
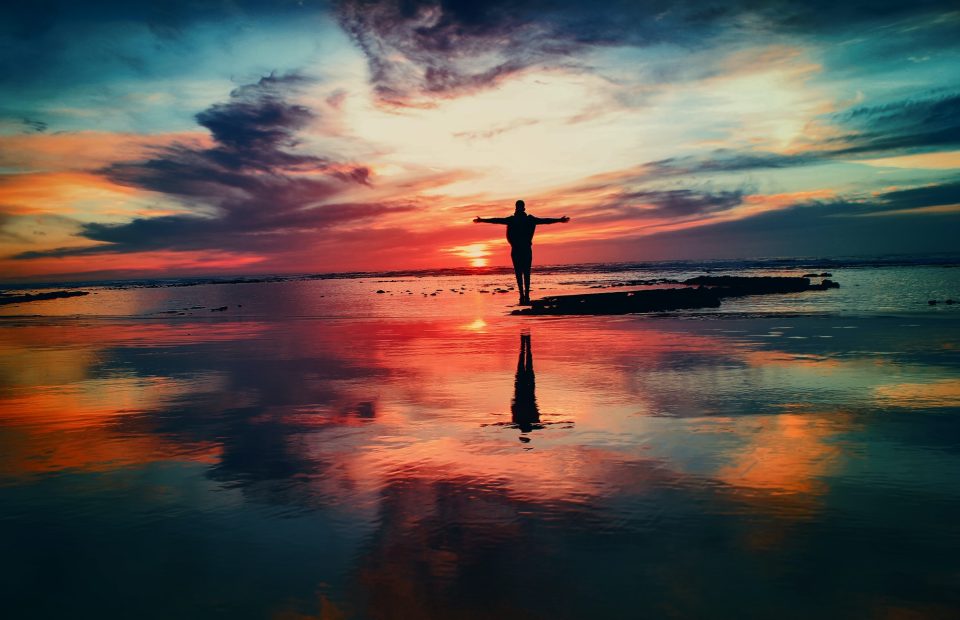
(310, 447)
(868, 287)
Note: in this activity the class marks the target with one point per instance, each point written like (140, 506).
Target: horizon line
(933, 259)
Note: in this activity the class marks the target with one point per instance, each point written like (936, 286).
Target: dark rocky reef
(701, 292)
(658, 300)
(6, 298)
(736, 286)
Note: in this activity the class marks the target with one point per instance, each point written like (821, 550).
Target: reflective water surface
(477, 465)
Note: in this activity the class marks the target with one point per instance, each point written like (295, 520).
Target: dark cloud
(248, 192)
(34, 126)
(904, 221)
(445, 47)
(841, 227)
(673, 203)
(728, 160)
(683, 202)
(909, 124)
(901, 200)
(903, 127)
(433, 47)
(256, 118)
(943, 194)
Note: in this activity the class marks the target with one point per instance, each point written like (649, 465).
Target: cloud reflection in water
(671, 465)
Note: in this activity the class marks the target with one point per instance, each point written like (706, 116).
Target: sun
(476, 253)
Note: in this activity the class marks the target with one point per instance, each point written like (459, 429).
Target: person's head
(521, 207)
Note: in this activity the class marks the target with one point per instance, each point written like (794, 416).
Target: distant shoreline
(7, 299)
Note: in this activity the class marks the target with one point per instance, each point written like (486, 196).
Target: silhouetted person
(520, 229)
(526, 415)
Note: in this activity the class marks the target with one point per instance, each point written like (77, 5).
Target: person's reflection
(526, 415)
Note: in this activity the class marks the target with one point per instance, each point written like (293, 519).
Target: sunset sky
(226, 137)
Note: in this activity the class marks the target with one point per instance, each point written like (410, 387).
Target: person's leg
(522, 258)
(528, 262)
(518, 271)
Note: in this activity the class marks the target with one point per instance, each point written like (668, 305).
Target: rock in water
(701, 292)
(7, 298)
(625, 302)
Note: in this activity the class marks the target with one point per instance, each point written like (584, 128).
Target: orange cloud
(58, 193)
(84, 150)
(130, 265)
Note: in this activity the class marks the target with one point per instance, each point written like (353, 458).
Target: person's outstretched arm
(552, 220)
(490, 220)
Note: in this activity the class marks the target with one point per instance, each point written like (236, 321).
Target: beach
(404, 447)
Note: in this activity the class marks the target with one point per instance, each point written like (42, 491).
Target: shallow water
(446, 460)
(895, 290)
